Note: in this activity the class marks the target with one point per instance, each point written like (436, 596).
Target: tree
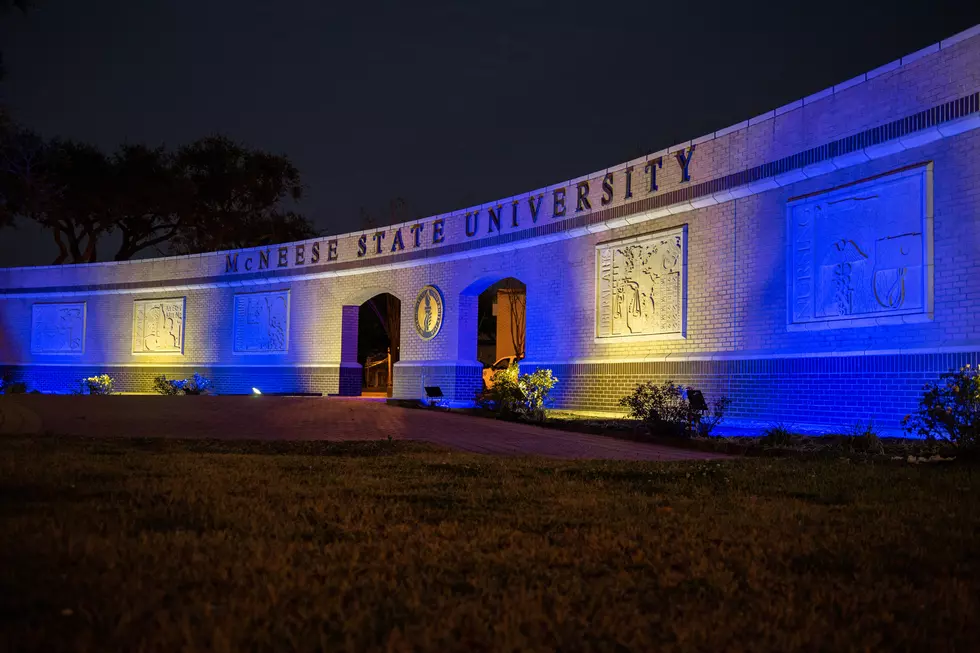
(213, 194)
(237, 198)
(21, 162)
(72, 197)
(149, 198)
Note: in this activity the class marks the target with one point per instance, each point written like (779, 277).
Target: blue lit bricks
(738, 341)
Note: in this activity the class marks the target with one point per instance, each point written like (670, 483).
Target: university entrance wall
(816, 264)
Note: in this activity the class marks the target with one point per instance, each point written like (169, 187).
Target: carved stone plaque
(158, 326)
(262, 322)
(58, 328)
(862, 253)
(641, 287)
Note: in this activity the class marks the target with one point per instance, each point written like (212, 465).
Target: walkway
(308, 418)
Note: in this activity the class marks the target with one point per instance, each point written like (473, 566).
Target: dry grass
(165, 546)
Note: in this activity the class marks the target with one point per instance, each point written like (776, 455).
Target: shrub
(193, 386)
(864, 439)
(535, 388)
(163, 386)
(519, 395)
(707, 423)
(665, 410)
(949, 409)
(10, 387)
(777, 435)
(101, 384)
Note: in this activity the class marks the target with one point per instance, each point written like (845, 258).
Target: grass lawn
(160, 545)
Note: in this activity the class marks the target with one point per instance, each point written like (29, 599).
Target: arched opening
(378, 343)
(501, 326)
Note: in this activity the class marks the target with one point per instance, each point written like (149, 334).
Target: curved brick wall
(815, 263)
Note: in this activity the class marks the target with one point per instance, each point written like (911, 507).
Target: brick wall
(736, 274)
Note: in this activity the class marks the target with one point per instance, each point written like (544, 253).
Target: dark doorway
(378, 342)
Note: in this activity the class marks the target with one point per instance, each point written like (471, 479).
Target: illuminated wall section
(816, 263)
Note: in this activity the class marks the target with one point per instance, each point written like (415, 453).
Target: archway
(379, 343)
(499, 331)
(370, 343)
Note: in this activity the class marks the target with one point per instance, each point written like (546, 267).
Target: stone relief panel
(641, 287)
(58, 328)
(262, 322)
(862, 253)
(158, 326)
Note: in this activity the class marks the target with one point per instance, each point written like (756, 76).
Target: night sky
(448, 105)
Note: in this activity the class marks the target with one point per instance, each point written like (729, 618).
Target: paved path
(308, 418)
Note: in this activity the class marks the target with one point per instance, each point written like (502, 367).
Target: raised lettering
(651, 169)
(416, 230)
(535, 209)
(629, 183)
(300, 255)
(264, 259)
(248, 264)
(471, 231)
(684, 162)
(332, 250)
(494, 218)
(396, 242)
(283, 257)
(379, 237)
(607, 188)
(315, 253)
(437, 231)
(559, 201)
(582, 200)
(362, 245)
(231, 262)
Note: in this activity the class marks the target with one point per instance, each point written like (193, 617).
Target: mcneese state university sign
(816, 264)
(309, 253)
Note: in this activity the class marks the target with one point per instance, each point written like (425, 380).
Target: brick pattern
(227, 380)
(736, 272)
(833, 390)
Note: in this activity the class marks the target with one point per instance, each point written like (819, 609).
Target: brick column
(350, 370)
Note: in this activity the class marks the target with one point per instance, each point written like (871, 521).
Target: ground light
(256, 391)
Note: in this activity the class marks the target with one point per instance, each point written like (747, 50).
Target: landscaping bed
(795, 444)
(164, 545)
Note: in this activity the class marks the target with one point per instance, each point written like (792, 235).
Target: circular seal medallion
(428, 312)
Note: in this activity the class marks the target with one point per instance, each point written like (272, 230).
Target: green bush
(535, 388)
(193, 386)
(516, 395)
(101, 384)
(665, 409)
(949, 409)
(164, 387)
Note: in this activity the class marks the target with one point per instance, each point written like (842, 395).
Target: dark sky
(448, 105)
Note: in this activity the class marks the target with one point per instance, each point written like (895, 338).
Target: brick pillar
(350, 370)
(468, 310)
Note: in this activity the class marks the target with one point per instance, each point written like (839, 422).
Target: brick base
(460, 381)
(836, 392)
(226, 380)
